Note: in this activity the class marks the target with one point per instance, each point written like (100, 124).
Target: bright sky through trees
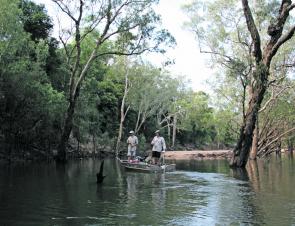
(188, 60)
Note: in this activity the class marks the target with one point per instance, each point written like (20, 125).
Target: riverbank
(198, 154)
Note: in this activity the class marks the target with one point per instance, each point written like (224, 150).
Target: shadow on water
(240, 173)
(198, 193)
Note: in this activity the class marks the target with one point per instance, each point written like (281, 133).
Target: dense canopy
(81, 94)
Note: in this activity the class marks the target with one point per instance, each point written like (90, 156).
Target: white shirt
(158, 144)
(132, 141)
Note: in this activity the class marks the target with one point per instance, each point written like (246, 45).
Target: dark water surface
(198, 193)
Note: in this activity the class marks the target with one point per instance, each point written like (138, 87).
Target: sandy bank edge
(198, 154)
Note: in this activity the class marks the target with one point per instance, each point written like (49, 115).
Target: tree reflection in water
(198, 193)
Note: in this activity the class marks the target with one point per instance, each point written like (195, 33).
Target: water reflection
(273, 181)
(158, 195)
(239, 173)
(131, 188)
(199, 193)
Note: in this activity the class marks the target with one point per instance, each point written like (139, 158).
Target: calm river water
(198, 193)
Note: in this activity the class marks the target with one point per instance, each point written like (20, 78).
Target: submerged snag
(99, 175)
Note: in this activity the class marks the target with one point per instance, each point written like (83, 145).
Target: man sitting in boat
(159, 146)
(132, 142)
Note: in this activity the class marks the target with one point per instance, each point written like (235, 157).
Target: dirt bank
(197, 154)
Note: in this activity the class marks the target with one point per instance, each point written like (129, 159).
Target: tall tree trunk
(61, 157)
(243, 146)
(68, 125)
(169, 133)
(290, 145)
(254, 148)
(138, 120)
(67, 128)
(141, 123)
(123, 113)
(94, 144)
(73, 96)
(119, 135)
(174, 130)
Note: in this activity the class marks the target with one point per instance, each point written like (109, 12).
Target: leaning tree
(262, 56)
(249, 55)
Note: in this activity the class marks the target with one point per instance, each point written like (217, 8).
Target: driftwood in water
(99, 175)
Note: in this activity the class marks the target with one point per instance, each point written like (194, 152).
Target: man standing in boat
(159, 146)
(132, 142)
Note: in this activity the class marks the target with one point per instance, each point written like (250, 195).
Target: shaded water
(198, 193)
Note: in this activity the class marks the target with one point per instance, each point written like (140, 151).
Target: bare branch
(279, 43)
(274, 96)
(94, 24)
(85, 69)
(253, 31)
(119, 31)
(275, 30)
(128, 108)
(276, 139)
(110, 20)
(290, 65)
(273, 81)
(244, 43)
(290, 7)
(65, 9)
(121, 53)
(64, 43)
(78, 47)
(218, 54)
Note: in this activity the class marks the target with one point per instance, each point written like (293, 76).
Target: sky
(189, 61)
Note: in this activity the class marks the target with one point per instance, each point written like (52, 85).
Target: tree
(197, 126)
(262, 49)
(29, 104)
(229, 101)
(123, 112)
(262, 58)
(151, 93)
(39, 25)
(175, 108)
(131, 24)
(276, 123)
(35, 20)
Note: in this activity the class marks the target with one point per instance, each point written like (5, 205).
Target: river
(198, 193)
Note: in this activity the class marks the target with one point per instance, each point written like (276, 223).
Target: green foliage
(35, 75)
(142, 145)
(30, 108)
(35, 20)
(97, 108)
(152, 91)
(38, 25)
(226, 128)
(221, 29)
(197, 127)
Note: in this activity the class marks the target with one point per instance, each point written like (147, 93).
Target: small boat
(143, 167)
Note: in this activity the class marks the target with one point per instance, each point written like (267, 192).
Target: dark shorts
(156, 154)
